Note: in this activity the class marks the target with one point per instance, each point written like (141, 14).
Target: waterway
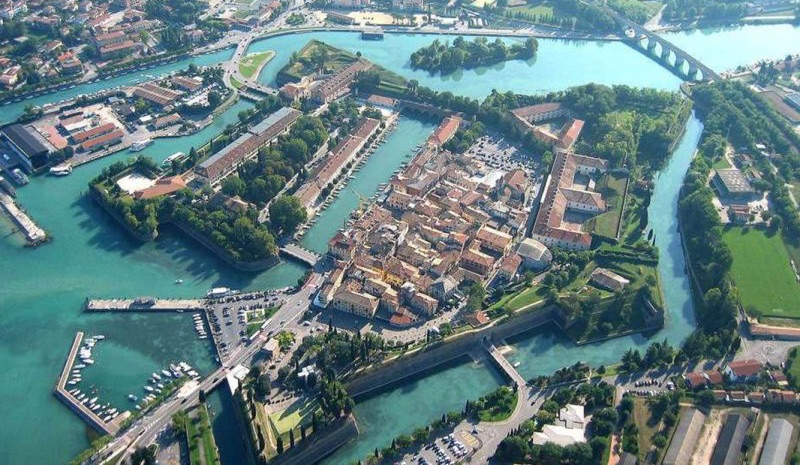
(13, 110)
(397, 149)
(43, 289)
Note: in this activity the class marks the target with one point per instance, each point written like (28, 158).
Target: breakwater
(84, 412)
(143, 304)
(33, 233)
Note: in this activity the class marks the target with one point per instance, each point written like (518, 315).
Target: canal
(43, 289)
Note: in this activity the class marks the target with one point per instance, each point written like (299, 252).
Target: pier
(33, 233)
(302, 254)
(76, 406)
(144, 304)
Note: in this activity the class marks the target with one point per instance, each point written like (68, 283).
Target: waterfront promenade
(86, 414)
(143, 304)
(33, 233)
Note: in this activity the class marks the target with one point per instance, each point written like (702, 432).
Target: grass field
(762, 273)
(293, 417)
(528, 296)
(612, 187)
(721, 164)
(253, 61)
(641, 416)
(536, 8)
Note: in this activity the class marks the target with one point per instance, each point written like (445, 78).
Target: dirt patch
(708, 438)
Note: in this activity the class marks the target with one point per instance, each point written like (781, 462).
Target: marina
(80, 403)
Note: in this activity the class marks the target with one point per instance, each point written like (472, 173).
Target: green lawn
(612, 187)
(202, 449)
(528, 296)
(194, 443)
(721, 164)
(297, 414)
(535, 8)
(209, 447)
(641, 415)
(253, 62)
(762, 273)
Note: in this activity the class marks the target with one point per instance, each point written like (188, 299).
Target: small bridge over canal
(301, 254)
(647, 42)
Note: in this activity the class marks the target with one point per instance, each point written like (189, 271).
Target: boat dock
(144, 304)
(74, 404)
(33, 233)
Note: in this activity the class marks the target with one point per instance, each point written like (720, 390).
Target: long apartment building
(336, 161)
(227, 160)
(561, 194)
(339, 83)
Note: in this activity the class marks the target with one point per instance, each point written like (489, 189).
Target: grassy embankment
(202, 448)
(253, 62)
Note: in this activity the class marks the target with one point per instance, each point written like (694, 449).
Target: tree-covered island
(461, 54)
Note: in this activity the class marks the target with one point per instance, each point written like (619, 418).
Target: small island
(461, 54)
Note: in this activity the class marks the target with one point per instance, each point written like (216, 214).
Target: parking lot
(227, 317)
(497, 153)
(451, 449)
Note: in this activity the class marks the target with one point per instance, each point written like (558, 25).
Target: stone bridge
(646, 42)
(301, 254)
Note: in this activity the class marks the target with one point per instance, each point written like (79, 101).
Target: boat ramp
(144, 304)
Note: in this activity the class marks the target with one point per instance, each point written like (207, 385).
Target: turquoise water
(415, 404)
(43, 289)
(558, 65)
(13, 110)
(227, 432)
(725, 48)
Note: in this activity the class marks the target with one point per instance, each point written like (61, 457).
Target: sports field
(763, 273)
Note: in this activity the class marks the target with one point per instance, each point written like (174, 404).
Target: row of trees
(461, 54)
(678, 10)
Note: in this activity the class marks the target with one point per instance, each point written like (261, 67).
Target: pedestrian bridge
(665, 52)
(301, 254)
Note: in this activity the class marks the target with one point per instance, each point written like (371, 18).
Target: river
(44, 288)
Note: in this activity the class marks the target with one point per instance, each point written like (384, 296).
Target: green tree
(286, 214)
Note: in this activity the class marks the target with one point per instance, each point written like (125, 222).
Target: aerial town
(400, 232)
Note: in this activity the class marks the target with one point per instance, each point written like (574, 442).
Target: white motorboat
(61, 170)
(141, 144)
